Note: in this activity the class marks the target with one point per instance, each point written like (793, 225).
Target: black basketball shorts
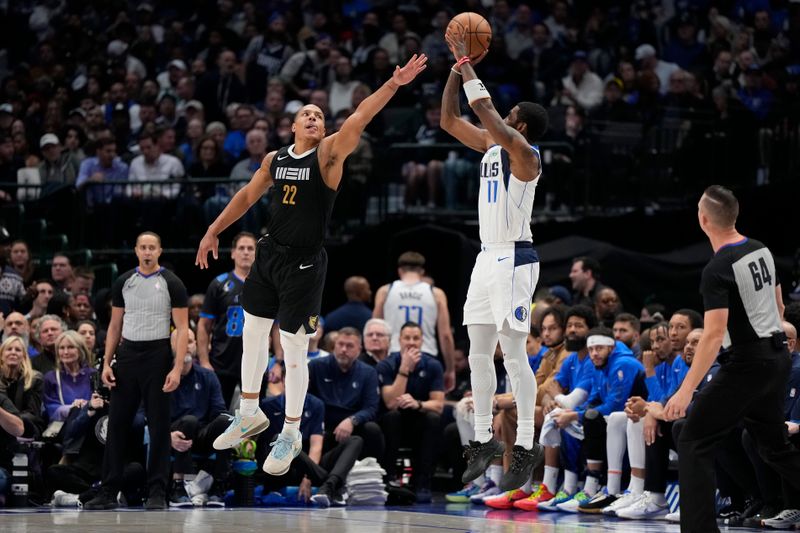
(286, 284)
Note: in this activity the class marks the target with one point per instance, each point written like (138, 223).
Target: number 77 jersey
(505, 204)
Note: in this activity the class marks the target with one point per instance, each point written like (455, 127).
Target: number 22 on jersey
(289, 192)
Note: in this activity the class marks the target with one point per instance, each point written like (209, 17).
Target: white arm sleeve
(571, 400)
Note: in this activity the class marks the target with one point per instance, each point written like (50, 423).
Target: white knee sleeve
(255, 351)
(616, 439)
(482, 339)
(523, 383)
(295, 352)
(636, 451)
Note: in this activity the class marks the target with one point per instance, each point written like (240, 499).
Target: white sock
(495, 473)
(636, 486)
(636, 449)
(255, 352)
(526, 488)
(248, 406)
(658, 498)
(482, 341)
(591, 485)
(295, 349)
(551, 478)
(570, 482)
(479, 481)
(291, 428)
(614, 482)
(523, 383)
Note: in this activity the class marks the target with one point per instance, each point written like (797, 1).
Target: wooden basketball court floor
(411, 519)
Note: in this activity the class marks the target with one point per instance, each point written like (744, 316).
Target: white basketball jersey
(412, 303)
(505, 204)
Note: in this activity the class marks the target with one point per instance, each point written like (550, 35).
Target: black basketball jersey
(222, 305)
(301, 202)
(741, 277)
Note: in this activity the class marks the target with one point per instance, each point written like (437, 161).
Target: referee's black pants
(140, 372)
(750, 387)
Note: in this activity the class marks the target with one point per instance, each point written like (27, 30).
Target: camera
(98, 387)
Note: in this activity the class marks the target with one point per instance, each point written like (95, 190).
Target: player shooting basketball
(507, 268)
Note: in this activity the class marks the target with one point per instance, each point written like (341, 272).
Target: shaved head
(720, 206)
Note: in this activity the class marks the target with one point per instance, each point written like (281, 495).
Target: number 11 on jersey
(491, 191)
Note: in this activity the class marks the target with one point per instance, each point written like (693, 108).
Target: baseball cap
(178, 64)
(561, 292)
(7, 108)
(579, 55)
(116, 48)
(645, 50)
(48, 138)
(77, 111)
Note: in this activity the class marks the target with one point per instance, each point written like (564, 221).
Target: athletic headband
(599, 340)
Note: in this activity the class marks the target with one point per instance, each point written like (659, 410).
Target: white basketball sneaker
(284, 450)
(242, 427)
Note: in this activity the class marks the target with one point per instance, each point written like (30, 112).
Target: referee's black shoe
(479, 456)
(156, 501)
(103, 500)
(523, 462)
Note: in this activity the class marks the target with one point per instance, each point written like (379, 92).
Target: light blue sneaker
(284, 450)
(463, 496)
(242, 427)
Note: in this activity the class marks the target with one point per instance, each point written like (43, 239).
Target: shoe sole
(322, 500)
(590, 511)
(452, 499)
(469, 476)
(280, 472)
(185, 505)
(253, 432)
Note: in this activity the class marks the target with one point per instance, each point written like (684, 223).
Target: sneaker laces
(471, 451)
(518, 458)
(235, 421)
(282, 446)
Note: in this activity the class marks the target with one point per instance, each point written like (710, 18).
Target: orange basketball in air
(478, 32)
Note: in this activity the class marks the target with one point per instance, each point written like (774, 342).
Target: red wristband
(463, 60)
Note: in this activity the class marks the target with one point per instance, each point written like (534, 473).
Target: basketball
(478, 32)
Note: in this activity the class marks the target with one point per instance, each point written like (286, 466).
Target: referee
(144, 371)
(743, 308)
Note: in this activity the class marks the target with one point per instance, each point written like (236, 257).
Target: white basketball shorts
(502, 285)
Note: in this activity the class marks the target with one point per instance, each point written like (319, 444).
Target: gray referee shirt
(148, 301)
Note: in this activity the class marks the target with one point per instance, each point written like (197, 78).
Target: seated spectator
(313, 465)
(20, 258)
(153, 165)
(61, 271)
(349, 389)
(69, 385)
(627, 330)
(12, 291)
(356, 311)
(377, 334)
(198, 417)
(235, 139)
(88, 330)
(83, 281)
(20, 393)
(56, 168)
(607, 306)
(648, 61)
(412, 389)
(582, 87)
(256, 144)
(16, 324)
(341, 90)
(46, 332)
(208, 162)
(106, 166)
(189, 149)
(423, 173)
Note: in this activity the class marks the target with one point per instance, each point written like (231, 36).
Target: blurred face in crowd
(612, 92)
(12, 356)
(147, 113)
(579, 277)
(380, 60)
(226, 62)
(82, 285)
(533, 344)
(346, 350)
(208, 151)
(256, 144)
(72, 141)
(94, 118)
(689, 349)
(194, 130)
(61, 270)
(185, 88)
(411, 337)
(262, 124)
(244, 118)
(106, 154)
(625, 333)
(607, 303)
(67, 352)
(660, 343)
(679, 328)
(745, 59)
(399, 24)
(51, 152)
(319, 98)
(89, 335)
(81, 307)
(16, 324)
(722, 65)
(244, 253)
(195, 305)
(149, 149)
(44, 291)
(791, 336)
(552, 332)
(117, 93)
(677, 82)
(218, 134)
(166, 141)
(49, 330)
(6, 149)
(578, 68)
(600, 355)
(275, 101)
(376, 339)
(359, 94)
(20, 255)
